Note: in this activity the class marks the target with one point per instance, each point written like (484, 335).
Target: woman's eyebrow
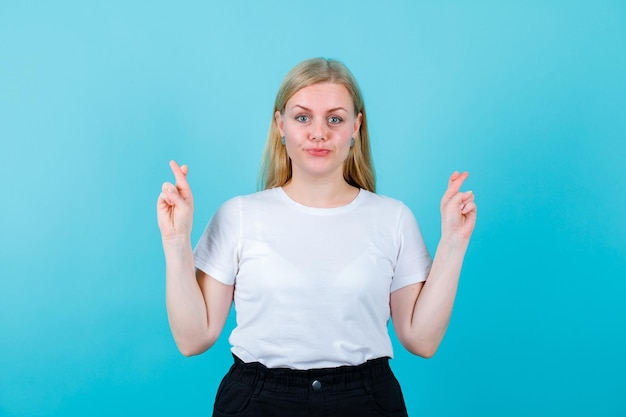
(337, 109)
(328, 111)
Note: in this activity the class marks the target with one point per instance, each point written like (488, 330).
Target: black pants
(367, 390)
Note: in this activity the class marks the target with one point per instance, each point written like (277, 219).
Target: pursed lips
(317, 151)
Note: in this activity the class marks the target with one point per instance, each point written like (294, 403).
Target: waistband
(337, 379)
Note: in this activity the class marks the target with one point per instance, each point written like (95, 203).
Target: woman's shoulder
(257, 197)
(252, 199)
(382, 201)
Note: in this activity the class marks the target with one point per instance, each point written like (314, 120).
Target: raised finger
(456, 180)
(180, 174)
(453, 177)
(454, 184)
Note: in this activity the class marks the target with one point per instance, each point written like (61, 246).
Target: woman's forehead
(322, 95)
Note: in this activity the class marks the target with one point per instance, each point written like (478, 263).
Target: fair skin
(318, 123)
(421, 312)
(197, 304)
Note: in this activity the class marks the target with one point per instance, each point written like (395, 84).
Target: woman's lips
(318, 151)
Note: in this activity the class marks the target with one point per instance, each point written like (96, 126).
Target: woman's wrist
(453, 243)
(176, 243)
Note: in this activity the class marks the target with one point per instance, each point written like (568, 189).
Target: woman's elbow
(425, 353)
(194, 348)
(421, 348)
(190, 351)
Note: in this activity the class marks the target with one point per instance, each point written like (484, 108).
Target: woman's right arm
(197, 304)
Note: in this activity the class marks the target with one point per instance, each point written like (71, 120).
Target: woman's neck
(321, 193)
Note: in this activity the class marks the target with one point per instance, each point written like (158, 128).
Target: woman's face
(318, 124)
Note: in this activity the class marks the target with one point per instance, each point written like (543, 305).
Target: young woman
(316, 264)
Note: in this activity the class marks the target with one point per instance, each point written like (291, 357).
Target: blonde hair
(276, 165)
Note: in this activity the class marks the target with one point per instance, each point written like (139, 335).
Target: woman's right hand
(175, 205)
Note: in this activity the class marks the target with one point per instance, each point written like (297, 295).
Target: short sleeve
(414, 260)
(216, 253)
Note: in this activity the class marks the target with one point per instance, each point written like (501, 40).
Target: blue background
(96, 97)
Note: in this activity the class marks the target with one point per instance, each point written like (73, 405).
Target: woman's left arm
(421, 312)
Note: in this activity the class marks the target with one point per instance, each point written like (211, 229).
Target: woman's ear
(279, 122)
(357, 124)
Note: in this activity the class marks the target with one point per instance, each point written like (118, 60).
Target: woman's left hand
(458, 209)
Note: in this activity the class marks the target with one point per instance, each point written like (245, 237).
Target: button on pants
(367, 390)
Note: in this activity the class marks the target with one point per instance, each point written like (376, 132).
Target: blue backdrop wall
(96, 97)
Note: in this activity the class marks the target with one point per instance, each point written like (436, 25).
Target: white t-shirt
(312, 285)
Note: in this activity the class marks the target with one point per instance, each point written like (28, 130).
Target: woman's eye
(334, 120)
(302, 118)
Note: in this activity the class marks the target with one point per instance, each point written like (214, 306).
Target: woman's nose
(318, 131)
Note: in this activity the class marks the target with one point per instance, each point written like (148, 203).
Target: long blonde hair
(276, 165)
